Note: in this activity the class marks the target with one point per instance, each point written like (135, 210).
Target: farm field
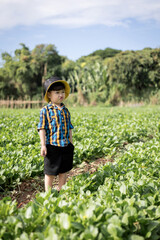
(119, 201)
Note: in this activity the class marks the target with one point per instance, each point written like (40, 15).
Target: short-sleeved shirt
(57, 123)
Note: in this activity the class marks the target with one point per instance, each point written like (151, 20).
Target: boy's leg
(48, 180)
(62, 180)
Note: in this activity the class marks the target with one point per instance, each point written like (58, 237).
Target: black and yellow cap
(48, 83)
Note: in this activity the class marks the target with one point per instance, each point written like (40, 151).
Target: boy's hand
(43, 151)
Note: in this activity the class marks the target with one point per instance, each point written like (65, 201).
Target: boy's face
(57, 96)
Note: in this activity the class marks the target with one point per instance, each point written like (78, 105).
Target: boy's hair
(56, 86)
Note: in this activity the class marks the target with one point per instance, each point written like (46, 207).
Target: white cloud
(72, 13)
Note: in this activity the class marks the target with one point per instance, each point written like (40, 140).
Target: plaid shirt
(56, 123)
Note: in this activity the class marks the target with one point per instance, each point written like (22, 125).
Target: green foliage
(89, 79)
(134, 73)
(46, 60)
(22, 74)
(107, 76)
(129, 75)
(99, 55)
(106, 53)
(105, 132)
(67, 67)
(19, 147)
(119, 201)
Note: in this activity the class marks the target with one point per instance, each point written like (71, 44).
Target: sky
(79, 27)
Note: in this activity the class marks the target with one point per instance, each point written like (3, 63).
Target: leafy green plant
(119, 201)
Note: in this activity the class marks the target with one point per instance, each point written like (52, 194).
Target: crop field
(120, 201)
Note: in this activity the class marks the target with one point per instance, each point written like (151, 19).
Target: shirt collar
(54, 106)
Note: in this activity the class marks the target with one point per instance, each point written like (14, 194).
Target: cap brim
(67, 89)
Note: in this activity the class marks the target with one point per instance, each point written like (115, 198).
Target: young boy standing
(55, 130)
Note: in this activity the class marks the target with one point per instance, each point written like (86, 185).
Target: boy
(55, 130)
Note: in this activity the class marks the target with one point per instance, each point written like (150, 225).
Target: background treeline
(107, 76)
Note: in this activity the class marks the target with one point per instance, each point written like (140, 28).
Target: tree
(91, 78)
(7, 81)
(134, 72)
(106, 53)
(26, 70)
(45, 62)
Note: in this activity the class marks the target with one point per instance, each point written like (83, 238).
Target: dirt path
(27, 190)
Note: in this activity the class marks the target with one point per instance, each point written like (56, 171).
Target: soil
(27, 190)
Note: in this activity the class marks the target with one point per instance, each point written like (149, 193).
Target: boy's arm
(70, 135)
(42, 135)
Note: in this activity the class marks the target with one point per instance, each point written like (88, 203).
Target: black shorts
(58, 159)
